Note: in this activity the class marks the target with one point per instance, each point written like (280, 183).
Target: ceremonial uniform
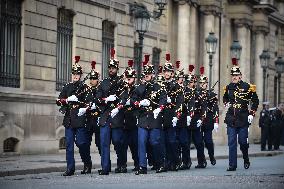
(171, 114)
(71, 98)
(238, 117)
(150, 99)
(108, 95)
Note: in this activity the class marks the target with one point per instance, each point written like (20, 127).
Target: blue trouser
(182, 135)
(131, 140)
(118, 143)
(242, 134)
(97, 139)
(196, 135)
(80, 137)
(208, 140)
(154, 137)
(171, 146)
(105, 147)
(163, 148)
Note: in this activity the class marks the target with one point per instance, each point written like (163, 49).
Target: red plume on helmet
(202, 70)
(160, 70)
(168, 57)
(146, 58)
(177, 64)
(190, 68)
(234, 62)
(77, 58)
(130, 63)
(112, 53)
(93, 65)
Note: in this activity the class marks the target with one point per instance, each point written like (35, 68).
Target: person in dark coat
(277, 125)
(71, 99)
(211, 120)
(265, 125)
(150, 99)
(236, 98)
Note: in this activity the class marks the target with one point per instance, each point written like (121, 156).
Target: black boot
(87, 168)
(213, 160)
(136, 168)
(68, 173)
(246, 163)
(201, 165)
(117, 170)
(161, 169)
(102, 172)
(231, 168)
(141, 170)
(183, 166)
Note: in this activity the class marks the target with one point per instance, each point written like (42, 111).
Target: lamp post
(279, 65)
(141, 23)
(236, 50)
(264, 60)
(211, 45)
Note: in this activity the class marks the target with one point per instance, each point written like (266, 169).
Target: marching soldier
(71, 98)
(111, 118)
(171, 114)
(265, 125)
(150, 100)
(130, 119)
(196, 112)
(212, 115)
(92, 113)
(182, 132)
(237, 96)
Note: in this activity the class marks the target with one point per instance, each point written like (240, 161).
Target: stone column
(183, 35)
(193, 48)
(244, 37)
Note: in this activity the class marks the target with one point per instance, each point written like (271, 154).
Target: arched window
(64, 47)
(10, 42)
(108, 43)
(10, 144)
(62, 143)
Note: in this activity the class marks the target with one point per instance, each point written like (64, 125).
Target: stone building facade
(40, 37)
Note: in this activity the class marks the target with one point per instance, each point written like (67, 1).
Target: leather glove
(216, 126)
(174, 121)
(169, 100)
(199, 122)
(72, 98)
(127, 102)
(93, 107)
(156, 112)
(110, 98)
(250, 118)
(82, 111)
(114, 112)
(188, 120)
(144, 102)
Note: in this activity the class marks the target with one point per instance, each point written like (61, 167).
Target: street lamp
(264, 60)
(236, 50)
(141, 23)
(279, 65)
(211, 45)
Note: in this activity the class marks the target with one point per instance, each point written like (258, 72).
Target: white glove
(110, 98)
(188, 120)
(250, 118)
(98, 120)
(227, 105)
(114, 112)
(169, 100)
(93, 106)
(72, 98)
(199, 123)
(127, 102)
(216, 126)
(174, 121)
(156, 112)
(82, 111)
(144, 102)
